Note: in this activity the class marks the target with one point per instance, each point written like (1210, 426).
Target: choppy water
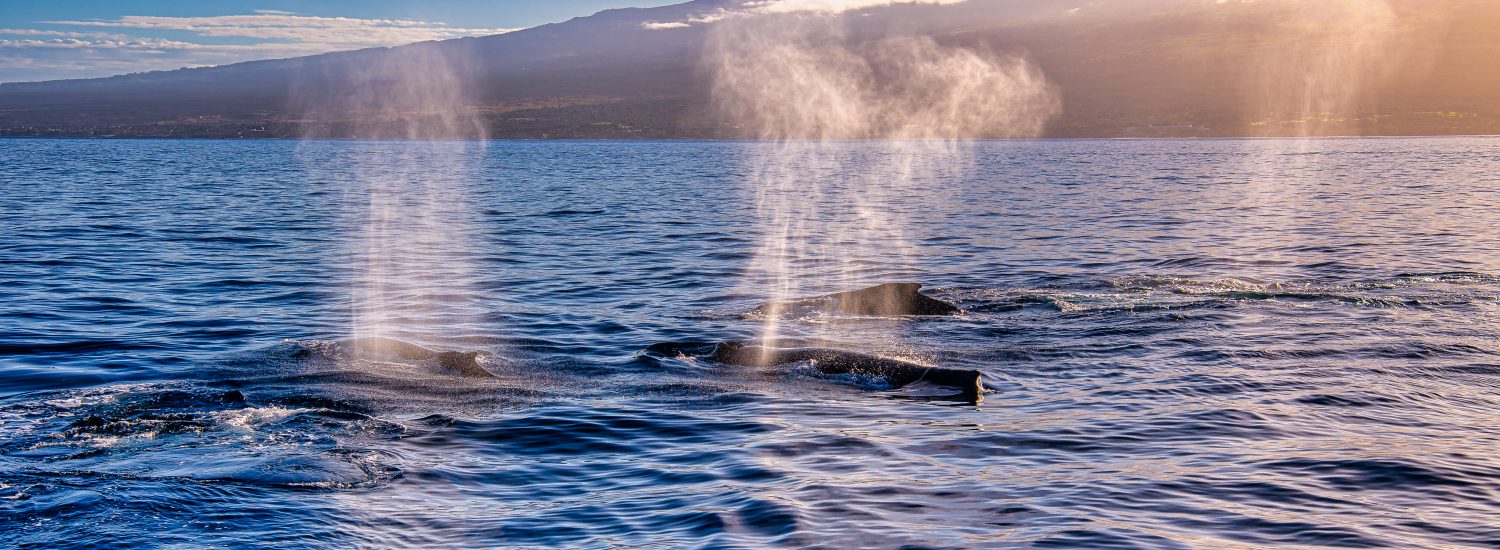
(1187, 343)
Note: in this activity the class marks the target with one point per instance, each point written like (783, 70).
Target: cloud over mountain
(768, 7)
(1119, 67)
(69, 50)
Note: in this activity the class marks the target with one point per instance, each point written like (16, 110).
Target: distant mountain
(1123, 68)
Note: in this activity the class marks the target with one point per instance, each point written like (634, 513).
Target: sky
(55, 39)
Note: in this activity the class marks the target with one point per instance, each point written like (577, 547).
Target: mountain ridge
(1128, 68)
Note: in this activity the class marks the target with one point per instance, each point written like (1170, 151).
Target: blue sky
(45, 40)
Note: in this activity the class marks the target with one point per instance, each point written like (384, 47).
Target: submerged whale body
(887, 300)
(463, 363)
(896, 372)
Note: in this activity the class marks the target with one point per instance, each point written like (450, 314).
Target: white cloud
(766, 7)
(670, 25)
(69, 34)
(257, 20)
(74, 43)
(835, 6)
(335, 32)
(36, 54)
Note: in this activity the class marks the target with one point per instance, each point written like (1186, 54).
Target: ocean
(1184, 344)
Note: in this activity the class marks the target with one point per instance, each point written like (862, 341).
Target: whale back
(462, 363)
(887, 300)
(829, 361)
(375, 346)
(890, 299)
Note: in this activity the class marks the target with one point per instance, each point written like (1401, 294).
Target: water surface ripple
(1188, 344)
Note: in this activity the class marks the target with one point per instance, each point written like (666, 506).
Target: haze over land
(1116, 68)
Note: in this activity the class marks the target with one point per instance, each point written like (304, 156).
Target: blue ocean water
(1203, 343)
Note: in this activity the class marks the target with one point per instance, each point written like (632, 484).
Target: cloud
(671, 25)
(74, 43)
(69, 34)
(834, 6)
(767, 7)
(335, 32)
(710, 17)
(38, 54)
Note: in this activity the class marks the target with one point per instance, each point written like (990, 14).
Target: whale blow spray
(410, 255)
(1321, 66)
(848, 128)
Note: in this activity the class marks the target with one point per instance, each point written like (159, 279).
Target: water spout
(411, 222)
(849, 127)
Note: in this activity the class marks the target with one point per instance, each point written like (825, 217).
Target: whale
(887, 300)
(896, 372)
(462, 363)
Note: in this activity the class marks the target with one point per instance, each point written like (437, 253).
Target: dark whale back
(887, 300)
(376, 346)
(829, 361)
(464, 363)
(890, 299)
